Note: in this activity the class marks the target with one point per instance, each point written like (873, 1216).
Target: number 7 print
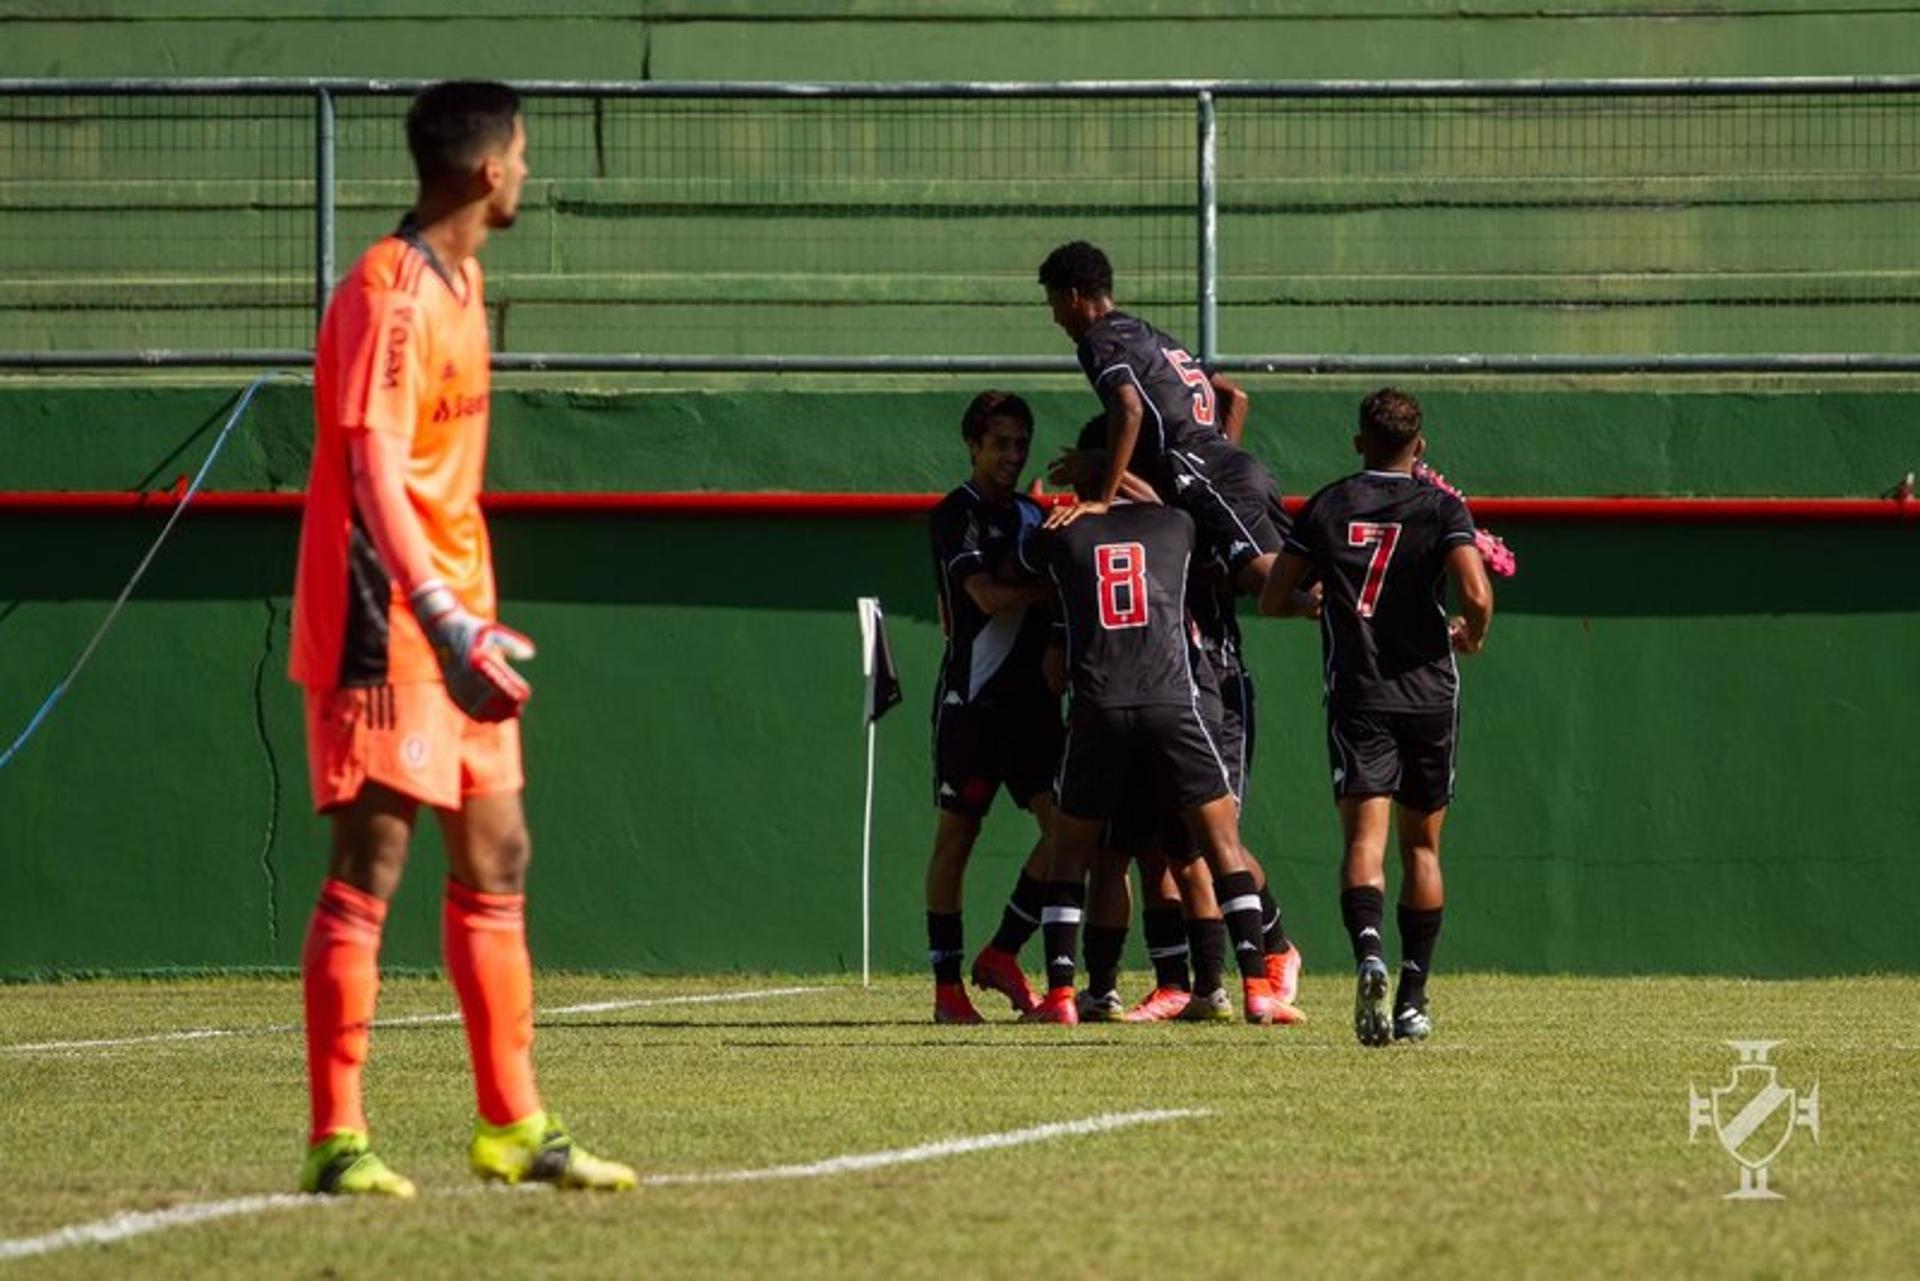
(1383, 539)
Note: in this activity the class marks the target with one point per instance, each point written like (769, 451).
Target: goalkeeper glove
(473, 654)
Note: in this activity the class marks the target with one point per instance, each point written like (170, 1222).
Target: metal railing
(1438, 226)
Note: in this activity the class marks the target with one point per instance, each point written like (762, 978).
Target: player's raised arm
(1232, 403)
(1475, 591)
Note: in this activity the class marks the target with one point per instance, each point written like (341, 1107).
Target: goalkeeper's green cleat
(342, 1165)
(538, 1149)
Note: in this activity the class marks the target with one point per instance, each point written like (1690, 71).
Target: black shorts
(1114, 752)
(980, 747)
(1405, 755)
(1234, 502)
(1148, 818)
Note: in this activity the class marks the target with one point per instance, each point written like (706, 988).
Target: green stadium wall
(1686, 749)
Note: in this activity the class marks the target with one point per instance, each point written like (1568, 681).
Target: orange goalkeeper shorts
(408, 737)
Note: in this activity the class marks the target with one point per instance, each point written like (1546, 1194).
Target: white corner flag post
(882, 692)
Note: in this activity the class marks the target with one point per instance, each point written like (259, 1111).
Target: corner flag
(876, 661)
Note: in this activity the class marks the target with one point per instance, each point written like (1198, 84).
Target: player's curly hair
(455, 124)
(1389, 421)
(993, 404)
(1079, 266)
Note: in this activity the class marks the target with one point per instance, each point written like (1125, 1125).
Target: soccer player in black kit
(1164, 420)
(1136, 677)
(1384, 545)
(995, 721)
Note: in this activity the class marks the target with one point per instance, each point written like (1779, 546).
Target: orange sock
(484, 939)
(340, 974)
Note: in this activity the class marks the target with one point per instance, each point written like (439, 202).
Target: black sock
(1104, 945)
(1209, 941)
(1060, 929)
(1021, 916)
(1273, 933)
(1240, 905)
(1419, 931)
(945, 945)
(1362, 908)
(1166, 946)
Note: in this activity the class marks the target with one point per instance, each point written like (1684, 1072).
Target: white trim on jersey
(991, 646)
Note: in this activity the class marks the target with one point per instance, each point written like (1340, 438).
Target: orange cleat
(999, 971)
(1283, 971)
(950, 1005)
(1056, 1007)
(1161, 1005)
(1264, 1006)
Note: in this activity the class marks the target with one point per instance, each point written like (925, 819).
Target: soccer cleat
(1160, 1005)
(1211, 1007)
(1057, 1006)
(1411, 1023)
(950, 1005)
(1000, 971)
(1283, 971)
(538, 1149)
(1263, 1005)
(342, 1165)
(1372, 1023)
(1104, 1008)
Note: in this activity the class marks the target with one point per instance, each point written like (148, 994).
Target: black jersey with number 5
(1380, 541)
(1177, 400)
(1122, 577)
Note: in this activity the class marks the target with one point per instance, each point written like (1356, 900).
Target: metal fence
(1603, 226)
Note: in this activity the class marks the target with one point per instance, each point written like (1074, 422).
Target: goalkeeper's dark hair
(1093, 433)
(1389, 423)
(454, 125)
(993, 404)
(1079, 266)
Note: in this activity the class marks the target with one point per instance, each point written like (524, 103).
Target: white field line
(855, 1163)
(134, 1224)
(141, 1223)
(410, 1020)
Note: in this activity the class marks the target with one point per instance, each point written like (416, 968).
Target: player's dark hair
(993, 404)
(455, 124)
(1079, 266)
(1389, 423)
(1093, 433)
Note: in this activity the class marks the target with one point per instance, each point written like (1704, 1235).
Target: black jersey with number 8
(1122, 578)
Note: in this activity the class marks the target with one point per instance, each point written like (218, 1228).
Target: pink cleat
(950, 1005)
(1000, 971)
(1056, 1007)
(1161, 1005)
(1283, 971)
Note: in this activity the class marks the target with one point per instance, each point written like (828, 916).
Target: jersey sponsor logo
(448, 372)
(454, 407)
(1122, 571)
(396, 362)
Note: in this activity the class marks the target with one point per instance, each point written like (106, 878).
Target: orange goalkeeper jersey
(403, 349)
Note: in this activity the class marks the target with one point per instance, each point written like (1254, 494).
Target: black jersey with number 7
(1380, 541)
(1122, 577)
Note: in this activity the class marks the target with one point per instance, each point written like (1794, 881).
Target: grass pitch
(1543, 1132)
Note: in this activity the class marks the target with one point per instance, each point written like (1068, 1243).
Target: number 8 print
(1122, 568)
